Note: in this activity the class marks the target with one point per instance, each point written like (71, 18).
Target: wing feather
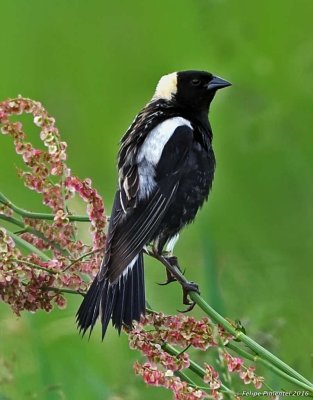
(135, 220)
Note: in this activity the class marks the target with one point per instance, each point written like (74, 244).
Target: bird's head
(189, 89)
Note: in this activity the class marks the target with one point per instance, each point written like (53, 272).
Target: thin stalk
(62, 290)
(81, 258)
(33, 231)
(258, 349)
(194, 367)
(30, 264)
(250, 343)
(224, 373)
(27, 246)
(268, 365)
(186, 378)
(47, 216)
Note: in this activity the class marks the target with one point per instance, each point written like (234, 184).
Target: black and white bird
(166, 167)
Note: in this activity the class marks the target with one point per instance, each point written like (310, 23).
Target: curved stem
(239, 335)
(254, 346)
(27, 246)
(194, 367)
(81, 258)
(35, 215)
(186, 378)
(30, 264)
(34, 232)
(62, 290)
(268, 365)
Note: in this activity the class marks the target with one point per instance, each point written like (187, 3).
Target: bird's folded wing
(131, 227)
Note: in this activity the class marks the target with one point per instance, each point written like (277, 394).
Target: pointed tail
(123, 301)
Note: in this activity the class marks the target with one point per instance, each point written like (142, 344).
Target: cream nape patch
(166, 87)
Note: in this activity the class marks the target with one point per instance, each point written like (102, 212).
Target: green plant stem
(35, 215)
(239, 335)
(62, 290)
(258, 349)
(30, 264)
(81, 258)
(33, 231)
(268, 365)
(27, 246)
(261, 354)
(186, 378)
(194, 367)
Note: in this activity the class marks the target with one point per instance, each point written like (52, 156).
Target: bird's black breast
(196, 177)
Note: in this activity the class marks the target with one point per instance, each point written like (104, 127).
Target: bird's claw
(189, 308)
(187, 288)
(166, 282)
(169, 279)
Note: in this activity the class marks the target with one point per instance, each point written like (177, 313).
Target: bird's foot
(174, 272)
(187, 288)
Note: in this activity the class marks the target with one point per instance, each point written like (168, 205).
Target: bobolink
(166, 167)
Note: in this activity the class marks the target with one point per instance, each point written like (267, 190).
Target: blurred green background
(94, 65)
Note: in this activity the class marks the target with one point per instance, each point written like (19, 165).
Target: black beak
(217, 83)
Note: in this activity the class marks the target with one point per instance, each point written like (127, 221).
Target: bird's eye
(196, 82)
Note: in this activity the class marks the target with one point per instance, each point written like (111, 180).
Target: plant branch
(35, 215)
(27, 246)
(34, 232)
(239, 335)
(186, 378)
(81, 258)
(62, 290)
(30, 264)
(194, 367)
(268, 365)
(254, 346)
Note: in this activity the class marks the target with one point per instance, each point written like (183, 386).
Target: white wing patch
(154, 144)
(150, 153)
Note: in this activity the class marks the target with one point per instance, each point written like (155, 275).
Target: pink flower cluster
(152, 335)
(246, 374)
(95, 207)
(182, 330)
(21, 285)
(181, 390)
(211, 377)
(25, 280)
(57, 262)
(156, 329)
(42, 164)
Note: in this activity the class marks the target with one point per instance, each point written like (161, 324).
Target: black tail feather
(123, 301)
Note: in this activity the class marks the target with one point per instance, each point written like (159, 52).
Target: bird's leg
(175, 273)
(169, 276)
(168, 255)
(173, 261)
(187, 286)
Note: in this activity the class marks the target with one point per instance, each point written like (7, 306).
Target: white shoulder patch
(154, 144)
(151, 150)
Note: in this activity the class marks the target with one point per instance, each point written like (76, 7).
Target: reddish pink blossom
(32, 282)
(95, 207)
(248, 376)
(212, 377)
(181, 390)
(234, 364)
